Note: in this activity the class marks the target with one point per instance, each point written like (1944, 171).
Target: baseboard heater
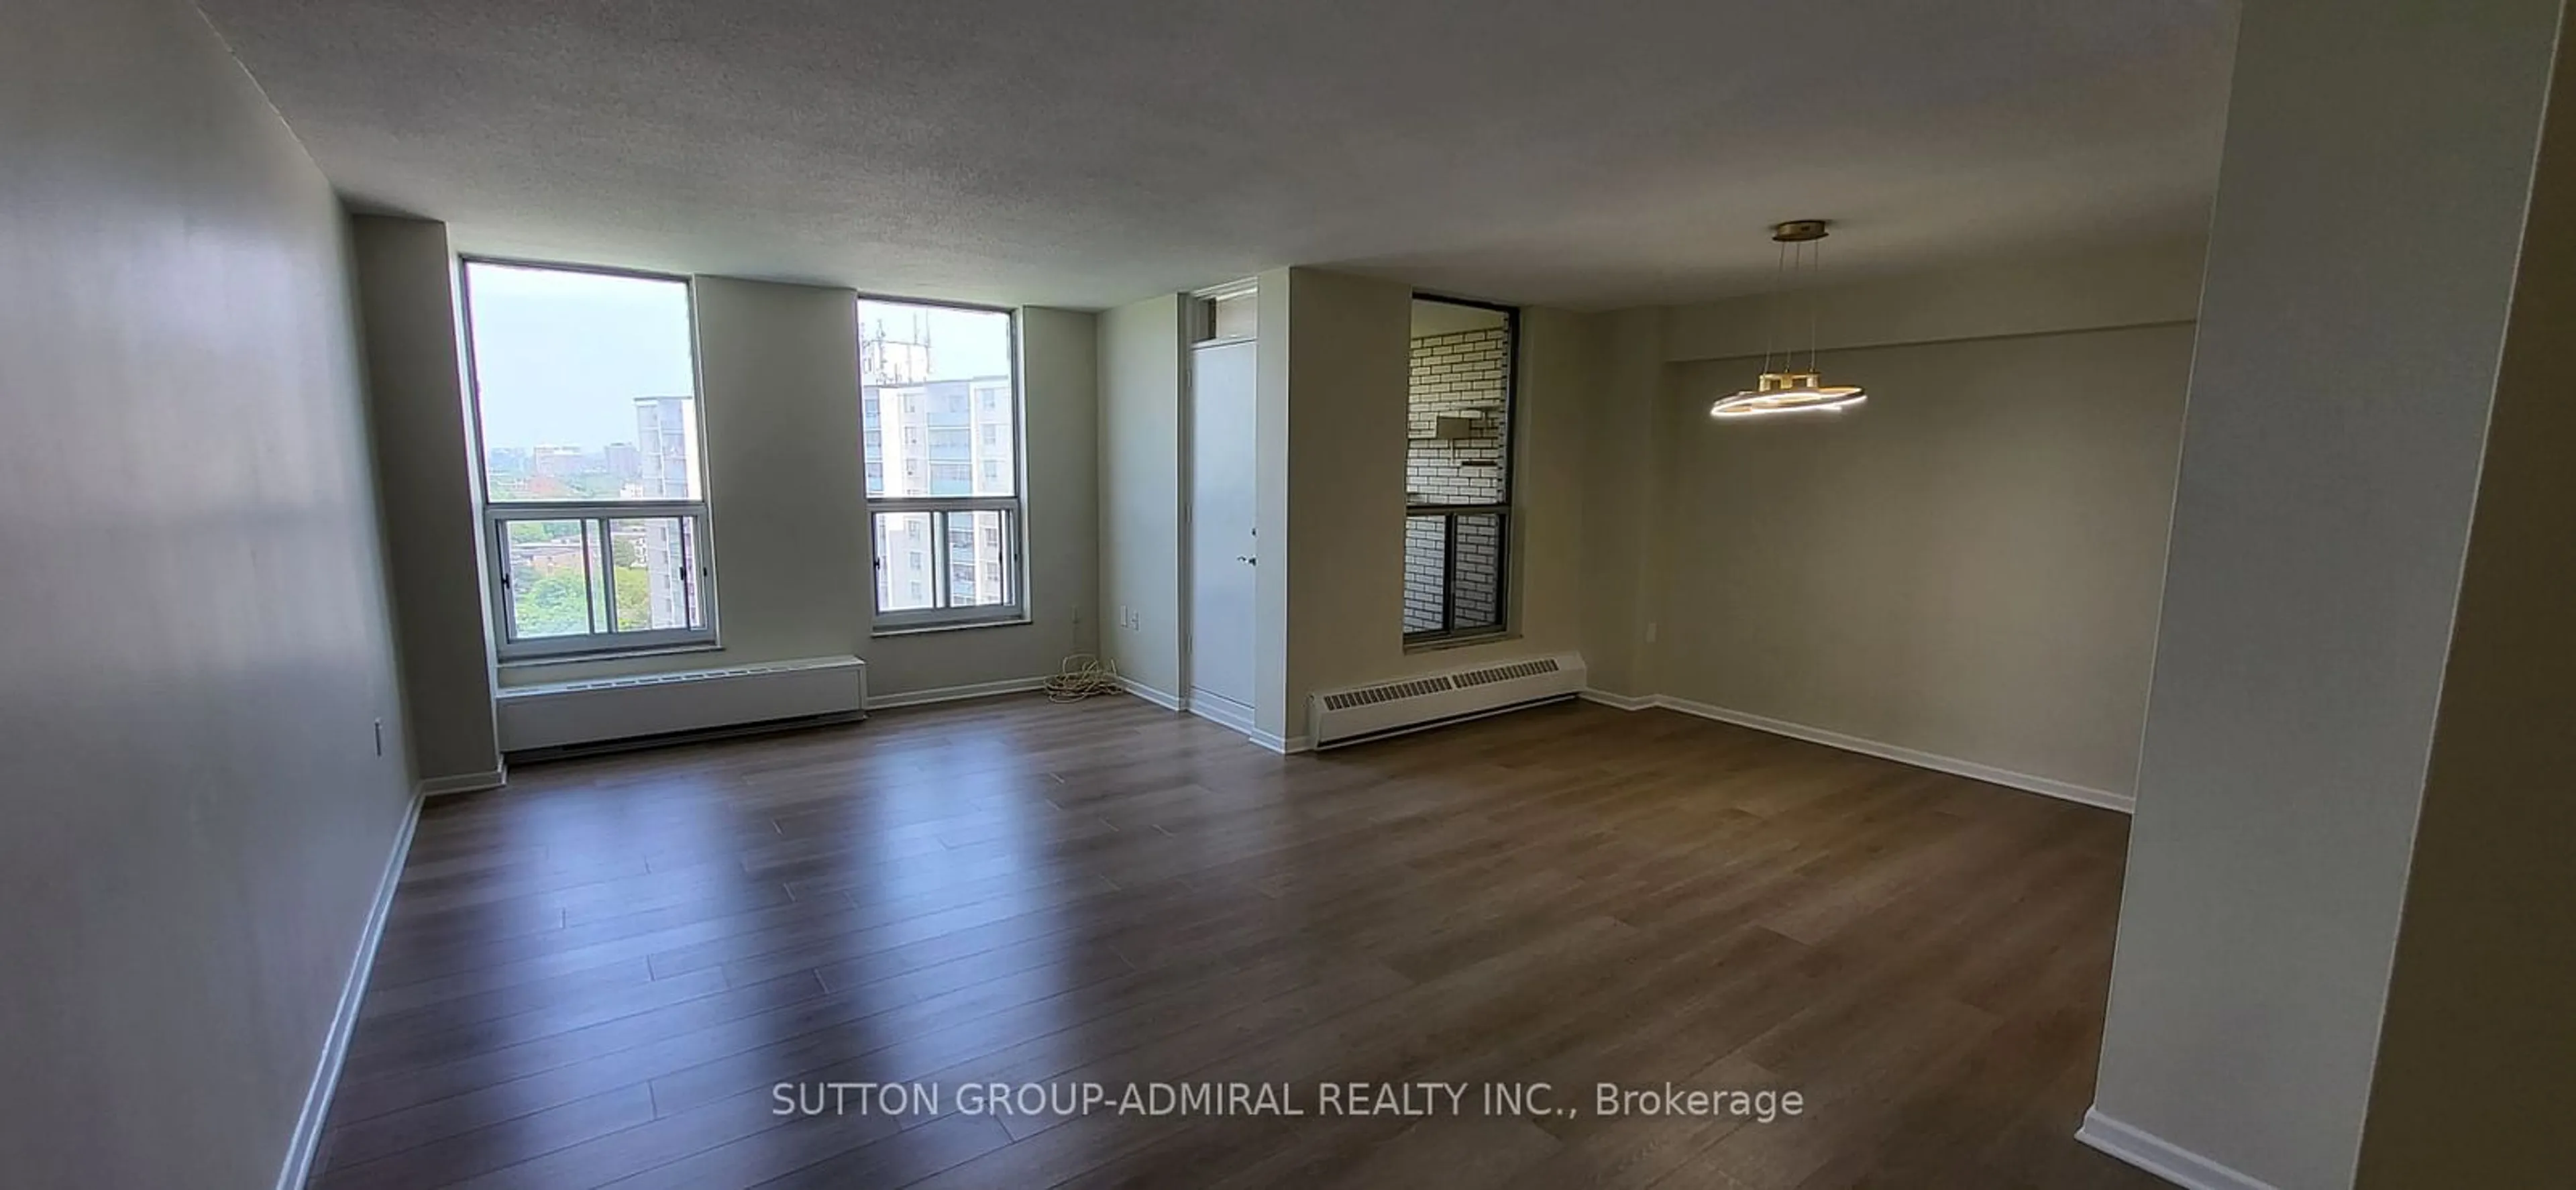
(568, 717)
(1376, 711)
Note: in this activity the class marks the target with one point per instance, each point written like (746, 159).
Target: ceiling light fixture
(1790, 389)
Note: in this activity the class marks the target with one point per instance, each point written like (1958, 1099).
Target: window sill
(608, 655)
(1459, 642)
(1017, 621)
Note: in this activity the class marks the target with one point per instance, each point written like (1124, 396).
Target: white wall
(2363, 248)
(1141, 490)
(196, 641)
(423, 457)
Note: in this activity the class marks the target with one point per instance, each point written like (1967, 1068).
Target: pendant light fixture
(1789, 388)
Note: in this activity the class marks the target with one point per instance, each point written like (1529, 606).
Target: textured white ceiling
(1091, 152)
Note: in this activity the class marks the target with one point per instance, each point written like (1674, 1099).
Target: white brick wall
(1463, 373)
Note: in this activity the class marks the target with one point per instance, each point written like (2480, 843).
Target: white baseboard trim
(307, 1137)
(1169, 702)
(2161, 1157)
(2102, 798)
(1283, 745)
(1219, 710)
(914, 698)
(1625, 702)
(1234, 716)
(463, 783)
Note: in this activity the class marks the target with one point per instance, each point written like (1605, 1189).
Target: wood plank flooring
(600, 975)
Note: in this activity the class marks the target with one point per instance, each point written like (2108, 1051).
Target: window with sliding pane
(939, 414)
(594, 495)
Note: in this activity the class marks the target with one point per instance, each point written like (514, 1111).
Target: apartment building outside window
(1458, 471)
(939, 412)
(586, 414)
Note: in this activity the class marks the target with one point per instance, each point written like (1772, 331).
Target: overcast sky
(560, 357)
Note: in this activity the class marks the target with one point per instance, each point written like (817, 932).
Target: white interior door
(1223, 549)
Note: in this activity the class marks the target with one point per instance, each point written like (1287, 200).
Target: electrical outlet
(1129, 619)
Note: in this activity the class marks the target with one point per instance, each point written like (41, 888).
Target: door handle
(1247, 559)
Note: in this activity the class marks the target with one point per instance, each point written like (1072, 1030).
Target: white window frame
(604, 640)
(1013, 508)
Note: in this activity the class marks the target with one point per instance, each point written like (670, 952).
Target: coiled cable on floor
(1082, 677)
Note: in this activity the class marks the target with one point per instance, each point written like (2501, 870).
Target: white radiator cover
(1358, 713)
(569, 714)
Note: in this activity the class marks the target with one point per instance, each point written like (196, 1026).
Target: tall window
(586, 404)
(1458, 471)
(939, 409)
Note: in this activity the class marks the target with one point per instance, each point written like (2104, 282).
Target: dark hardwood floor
(600, 975)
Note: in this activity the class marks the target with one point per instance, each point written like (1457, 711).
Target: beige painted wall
(1625, 506)
(1968, 566)
(195, 819)
(423, 457)
(1141, 490)
(1060, 362)
(779, 373)
(1348, 343)
(1275, 316)
(2363, 250)
(2477, 1050)
(1561, 365)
